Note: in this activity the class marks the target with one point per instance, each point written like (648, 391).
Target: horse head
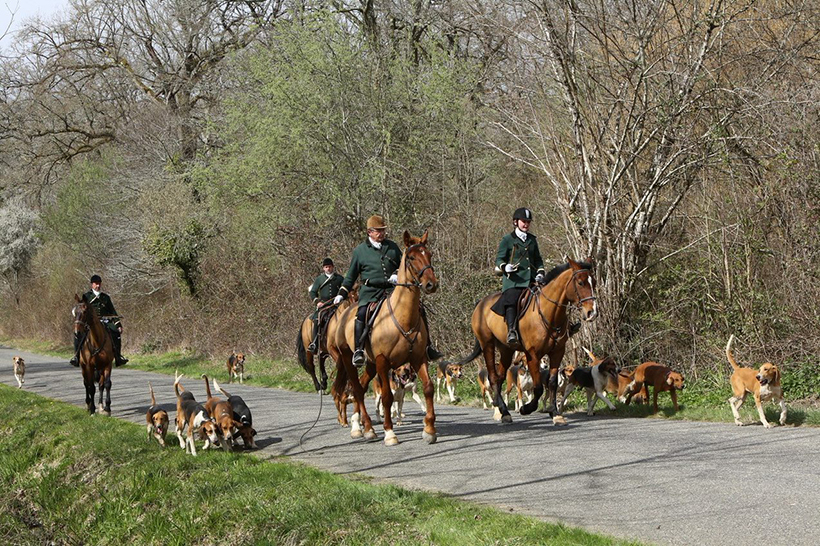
(417, 264)
(580, 289)
(81, 313)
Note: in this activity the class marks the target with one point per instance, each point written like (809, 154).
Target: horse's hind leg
(107, 388)
(429, 434)
(322, 358)
(502, 412)
(534, 366)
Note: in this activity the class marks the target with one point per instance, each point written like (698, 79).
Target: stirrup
(312, 347)
(358, 358)
(513, 341)
(120, 362)
(74, 362)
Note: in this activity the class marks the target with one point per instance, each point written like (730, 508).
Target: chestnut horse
(398, 336)
(305, 336)
(96, 354)
(543, 331)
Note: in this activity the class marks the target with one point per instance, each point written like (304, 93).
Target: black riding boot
(314, 344)
(75, 360)
(117, 342)
(512, 332)
(432, 352)
(358, 354)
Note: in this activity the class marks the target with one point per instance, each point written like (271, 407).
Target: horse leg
(368, 373)
(502, 412)
(107, 385)
(322, 359)
(534, 366)
(429, 434)
(90, 389)
(359, 411)
(383, 372)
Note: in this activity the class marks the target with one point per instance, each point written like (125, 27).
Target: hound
(19, 371)
(156, 419)
(764, 386)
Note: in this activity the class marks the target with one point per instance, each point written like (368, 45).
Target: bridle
(415, 275)
(554, 332)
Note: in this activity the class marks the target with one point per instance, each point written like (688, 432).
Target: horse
(398, 336)
(305, 336)
(96, 354)
(543, 331)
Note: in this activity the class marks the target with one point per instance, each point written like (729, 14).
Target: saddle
(373, 309)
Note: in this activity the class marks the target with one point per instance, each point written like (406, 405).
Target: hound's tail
(151, 390)
(177, 386)
(729, 355)
(472, 356)
(590, 354)
(220, 389)
(207, 386)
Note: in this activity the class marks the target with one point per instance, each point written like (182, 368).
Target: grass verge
(69, 478)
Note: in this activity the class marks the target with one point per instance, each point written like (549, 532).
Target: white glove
(338, 299)
(394, 278)
(509, 268)
(539, 278)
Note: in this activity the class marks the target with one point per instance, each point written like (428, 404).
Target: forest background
(204, 156)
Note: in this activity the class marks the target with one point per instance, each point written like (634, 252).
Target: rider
(108, 316)
(376, 260)
(520, 263)
(324, 289)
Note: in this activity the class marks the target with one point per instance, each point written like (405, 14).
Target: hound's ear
(424, 238)
(777, 375)
(408, 240)
(669, 380)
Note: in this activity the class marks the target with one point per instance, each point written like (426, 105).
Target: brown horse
(543, 329)
(305, 336)
(96, 354)
(398, 336)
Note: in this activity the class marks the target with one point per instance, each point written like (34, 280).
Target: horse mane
(558, 269)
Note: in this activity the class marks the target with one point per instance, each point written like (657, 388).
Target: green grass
(71, 478)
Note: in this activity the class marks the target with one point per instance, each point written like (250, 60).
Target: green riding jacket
(102, 304)
(324, 289)
(513, 250)
(375, 266)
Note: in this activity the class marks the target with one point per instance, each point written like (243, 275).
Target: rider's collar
(96, 293)
(328, 275)
(521, 234)
(375, 244)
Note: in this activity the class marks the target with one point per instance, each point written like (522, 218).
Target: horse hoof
(107, 413)
(355, 433)
(429, 438)
(390, 438)
(496, 414)
(370, 435)
(506, 419)
(558, 420)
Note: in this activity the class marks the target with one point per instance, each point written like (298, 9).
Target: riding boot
(358, 354)
(75, 360)
(432, 352)
(117, 343)
(314, 344)
(512, 332)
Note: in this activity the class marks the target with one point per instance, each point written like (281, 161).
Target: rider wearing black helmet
(108, 316)
(324, 289)
(519, 262)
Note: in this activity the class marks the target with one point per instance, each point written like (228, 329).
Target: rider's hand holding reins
(338, 299)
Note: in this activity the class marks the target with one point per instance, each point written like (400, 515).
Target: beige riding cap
(376, 222)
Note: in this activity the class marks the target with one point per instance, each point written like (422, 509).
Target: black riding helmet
(327, 261)
(96, 278)
(522, 214)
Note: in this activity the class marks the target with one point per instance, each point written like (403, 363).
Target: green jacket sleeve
(314, 290)
(503, 255)
(352, 274)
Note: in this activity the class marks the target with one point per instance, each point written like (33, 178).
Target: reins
(554, 332)
(416, 275)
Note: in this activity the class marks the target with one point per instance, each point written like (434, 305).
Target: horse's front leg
(429, 434)
(534, 366)
(90, 389)
(383, 372)
(107, 385)
(361, 419)
(557, 418)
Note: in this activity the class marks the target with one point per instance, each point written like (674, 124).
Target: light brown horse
(305, 336)
(398, 336)
(543, 329)
(96, 354)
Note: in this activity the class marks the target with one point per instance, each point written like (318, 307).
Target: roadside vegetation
(68, 478)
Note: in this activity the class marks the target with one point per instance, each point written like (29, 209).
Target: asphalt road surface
(662, 482)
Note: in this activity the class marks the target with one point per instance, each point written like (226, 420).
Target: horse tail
(220, 389)
(472, 356)
(729, 353)
(207, 386)
(151, 390)
(301, 352)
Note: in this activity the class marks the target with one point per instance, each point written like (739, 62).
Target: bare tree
(18, 243)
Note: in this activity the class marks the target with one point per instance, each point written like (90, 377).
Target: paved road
(662, 482)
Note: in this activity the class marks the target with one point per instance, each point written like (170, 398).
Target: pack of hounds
(219, 422)
(598, 380)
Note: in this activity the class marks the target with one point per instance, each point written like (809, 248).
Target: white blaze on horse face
(594, 312)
